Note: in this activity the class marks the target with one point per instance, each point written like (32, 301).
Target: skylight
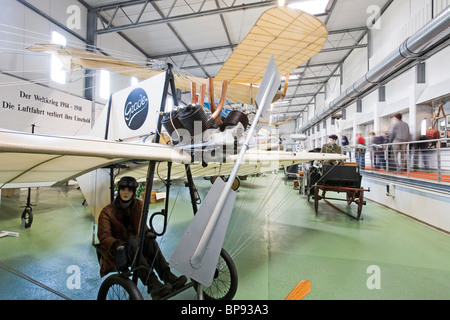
(311, 6)
(58, 38)
(57, 68)
(104, 84)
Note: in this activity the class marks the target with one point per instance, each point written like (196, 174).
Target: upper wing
(291, 36)
(41, 160)
(75, 59)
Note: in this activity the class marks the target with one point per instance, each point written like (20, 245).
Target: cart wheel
(316, 199)
(350, 197)
(116, 287)
(27, 217)
(360, 203)
(236, 183)
(224, 285)
(213, 179)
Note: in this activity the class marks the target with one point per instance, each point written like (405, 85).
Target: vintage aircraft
(286, 36)
(291, 36)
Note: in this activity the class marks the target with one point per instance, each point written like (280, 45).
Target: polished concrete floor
(274, 236)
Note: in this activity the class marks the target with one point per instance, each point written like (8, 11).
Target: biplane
(282, 38)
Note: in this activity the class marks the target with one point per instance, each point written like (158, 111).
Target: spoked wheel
(213, 179)
(350, 197)
(236, 183)
(224, 285)
(308, 187)
(360, 204)
(116, 287)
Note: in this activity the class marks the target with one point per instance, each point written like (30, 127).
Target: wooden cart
(337, 178)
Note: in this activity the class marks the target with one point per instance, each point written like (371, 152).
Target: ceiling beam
(182, 16)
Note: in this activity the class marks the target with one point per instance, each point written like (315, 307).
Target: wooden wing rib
(75, 59)
(291, 36)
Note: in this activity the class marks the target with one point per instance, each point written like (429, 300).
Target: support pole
(152, 164)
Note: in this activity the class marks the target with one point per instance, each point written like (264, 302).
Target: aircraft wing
(255, 161)
(291, 36)
(30, 160)
(74, 59)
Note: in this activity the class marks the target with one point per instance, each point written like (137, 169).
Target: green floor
(274, 237)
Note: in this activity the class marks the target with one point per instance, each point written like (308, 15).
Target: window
(311, 6)
(57, 72)
(58, 38)
(359, 105)
(423, 127)
(104, 84)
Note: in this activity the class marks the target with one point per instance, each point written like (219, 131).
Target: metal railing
(422, 159)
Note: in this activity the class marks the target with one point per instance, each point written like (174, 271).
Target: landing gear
(27, 214)
(223, 287)
(236, 183)
(27, 217)
(116, 287)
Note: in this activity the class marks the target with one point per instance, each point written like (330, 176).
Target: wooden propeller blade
(300, 290)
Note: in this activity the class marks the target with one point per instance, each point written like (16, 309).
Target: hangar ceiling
(199, 35)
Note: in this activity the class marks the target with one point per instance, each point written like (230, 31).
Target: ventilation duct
(433, 33)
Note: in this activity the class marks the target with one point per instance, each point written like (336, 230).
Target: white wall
(21, 27)
(402, 19)
(116, 46)
(402, 92)
(355, 66)
(419, 209)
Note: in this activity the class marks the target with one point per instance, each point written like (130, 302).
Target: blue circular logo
(136, 109)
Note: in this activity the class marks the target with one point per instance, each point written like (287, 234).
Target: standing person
(378, 151)
(399, 134)
(423, 152)
(118, 233)
(344, 143)
(360, 151)
(332, 147)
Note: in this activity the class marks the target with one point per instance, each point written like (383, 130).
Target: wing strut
(152, 164)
